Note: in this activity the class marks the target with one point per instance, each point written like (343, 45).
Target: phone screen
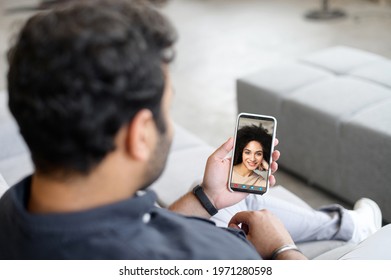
(251, 158)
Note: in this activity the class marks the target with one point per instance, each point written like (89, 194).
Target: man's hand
(215, 182)
(266, 232)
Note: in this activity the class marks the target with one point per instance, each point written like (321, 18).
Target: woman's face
(252, 155)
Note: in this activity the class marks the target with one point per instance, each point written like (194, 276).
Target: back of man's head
(80, 72)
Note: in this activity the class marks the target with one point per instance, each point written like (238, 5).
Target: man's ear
(141, 136)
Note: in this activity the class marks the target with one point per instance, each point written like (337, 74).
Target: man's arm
(189, 205)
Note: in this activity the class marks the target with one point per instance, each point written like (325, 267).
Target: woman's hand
(264, 165)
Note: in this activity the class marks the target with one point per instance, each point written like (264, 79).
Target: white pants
(304, 223)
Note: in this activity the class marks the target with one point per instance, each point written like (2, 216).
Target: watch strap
(204, 200)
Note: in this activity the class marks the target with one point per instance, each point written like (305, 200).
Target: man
(89, 86)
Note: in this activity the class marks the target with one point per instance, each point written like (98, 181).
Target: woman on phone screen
(250, 166)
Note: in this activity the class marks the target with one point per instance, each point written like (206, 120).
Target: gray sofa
(334, 120)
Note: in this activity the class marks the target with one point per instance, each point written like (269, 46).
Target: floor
(221, 40)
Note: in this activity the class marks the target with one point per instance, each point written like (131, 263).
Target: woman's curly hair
(250, 133)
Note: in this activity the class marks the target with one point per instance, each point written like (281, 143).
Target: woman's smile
(252, 155)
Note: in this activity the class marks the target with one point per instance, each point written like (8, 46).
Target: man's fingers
(276, 141)
(239, 218)
(276, 155)
(274, 166)
(272, 180)
(232, 225)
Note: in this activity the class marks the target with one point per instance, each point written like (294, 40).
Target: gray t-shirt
(131, 229)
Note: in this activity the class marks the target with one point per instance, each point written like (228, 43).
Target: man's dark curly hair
(249, 133)
(80, 72)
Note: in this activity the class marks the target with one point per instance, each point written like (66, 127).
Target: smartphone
(252, 153)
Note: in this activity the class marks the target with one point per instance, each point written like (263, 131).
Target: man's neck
(77, 193)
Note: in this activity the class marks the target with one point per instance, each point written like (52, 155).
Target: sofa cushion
(4, 111)
(3, 185)
(183, 139)
(11, 142)
(262, 92)
(340, 59)
(377, 72)
(15, 160)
